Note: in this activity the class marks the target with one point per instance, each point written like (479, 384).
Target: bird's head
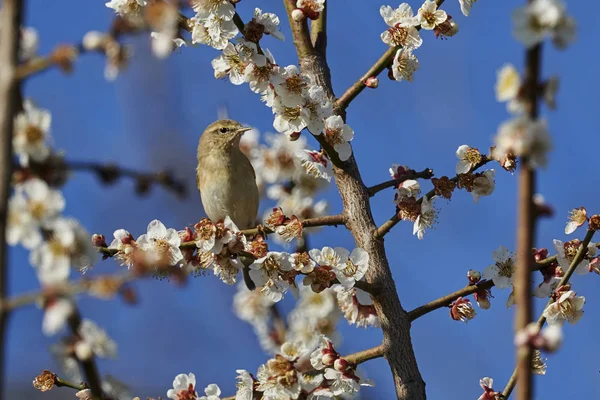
(224, 134)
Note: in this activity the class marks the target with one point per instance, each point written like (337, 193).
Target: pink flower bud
(329, 359)
(298, 15)
(99, 240)
(340, 365)
(372, 82)
(474, 276)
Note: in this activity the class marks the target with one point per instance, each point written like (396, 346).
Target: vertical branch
(395, 322)
(318, 32)
(526, 234)
(10, 34)
(90, 370)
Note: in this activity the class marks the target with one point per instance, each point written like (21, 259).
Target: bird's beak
(242, 130)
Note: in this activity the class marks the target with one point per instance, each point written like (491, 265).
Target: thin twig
(425, 174)
(542, 320)
(393, 221)
(90, 369)
(10, 34)
(357, 87)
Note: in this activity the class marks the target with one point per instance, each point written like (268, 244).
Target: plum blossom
(319, 108)
(235, 59)
(220, 8)
(56, 313)
(429, 16)
(183, 387)
(426, 218)
(268, 274)
(405, 64)
(213, 30)
(541, 19)
(468, 158)
(521, 136)
(402, 31)
(270, 22)
(568, 307)
(483, 184)
(22, 227)
(245, 385)
(212, 391)
(345, 383)
(462, 310)
(340, 135)
(316, 164)
(278, 379)
(357, 306)
(566, 252)
(31, 132)
(577, 217)
(488, 392)
(508, 88)
(261, 78)
(501, 272)
(127, 8)
(293, 87)
(94, 340)
(353, 269)
(161, 245)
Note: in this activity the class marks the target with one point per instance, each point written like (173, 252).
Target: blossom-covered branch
(10, 21)
(384, 61)
(579, 256)
(393, 221)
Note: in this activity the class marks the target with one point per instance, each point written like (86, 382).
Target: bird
(226, 179)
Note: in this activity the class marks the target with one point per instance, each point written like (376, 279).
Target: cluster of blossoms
(296, 371)
(522, 136)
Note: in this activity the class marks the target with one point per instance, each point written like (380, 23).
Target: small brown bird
(226, 179)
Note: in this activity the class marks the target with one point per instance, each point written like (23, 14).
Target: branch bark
(12, 14)
(397, 346)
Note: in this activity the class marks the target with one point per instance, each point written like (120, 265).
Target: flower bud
(44, 381)
(474, 276)
(329, 359)
(298, 15)
(340, 365)
(594, 222)
(99, 240)
(372, 82)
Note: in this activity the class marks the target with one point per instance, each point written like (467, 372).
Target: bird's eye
(223, 130)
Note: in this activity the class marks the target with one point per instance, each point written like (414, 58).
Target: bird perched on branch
(226, 179)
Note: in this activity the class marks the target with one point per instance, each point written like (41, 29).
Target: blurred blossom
(31, 133)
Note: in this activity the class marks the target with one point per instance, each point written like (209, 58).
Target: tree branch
(10, 21)
(53, 169)
(542, 320)
(357, 87)
(90, 369)
(318, 32)
(389, 224)
(425, 174)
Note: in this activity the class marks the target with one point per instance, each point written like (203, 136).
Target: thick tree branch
(542, 320)
(397, 346)
(318, 32)
(393, 221)
(357, 87)
(10, 21)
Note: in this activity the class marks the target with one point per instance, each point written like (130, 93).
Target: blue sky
(152, 116)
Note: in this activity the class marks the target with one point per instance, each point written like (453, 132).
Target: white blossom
(266, 272)
(97, 339)
(260, 78)
(316, 164)
(126, 7)
(319, 108)
(508, 85)
(251, 306)
(521, 136)
(405, 64)
(183, 386)
(344, 384)
(429, 16)
(340, 134)
(468, 158)
(161, 245)
(234, 60)
(219, 8)
(577, 217)
(213, 31)
(483, 185)
(31, 132)
(501, 272)
(22, 227)
(293, 87)
(357, 306)
(56, 313)
(567, 308)
(212, 391)
(354, 269)
(270, 22)
(426, 218)
(402, 31)
(245, 385)
(565, 253)
(540, 19)
(406, 189)
(289, 119)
